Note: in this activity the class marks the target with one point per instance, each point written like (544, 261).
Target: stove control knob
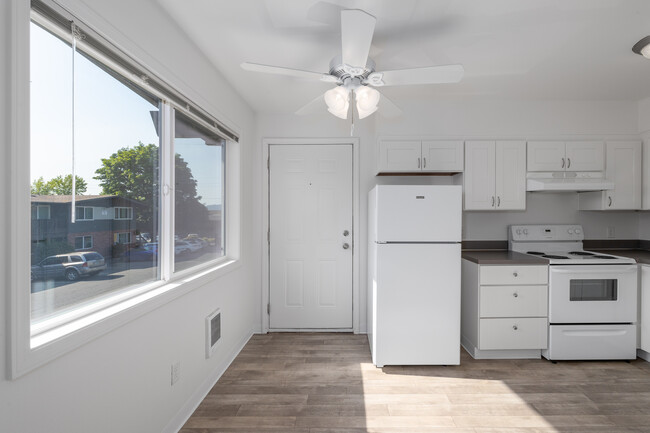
(518, 231)
(577, 231)
(526, 232)
(570, 231)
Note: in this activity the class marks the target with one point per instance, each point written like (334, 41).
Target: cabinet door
(585, 156)
(624, 169)
(510, 185)
(479, 175)
(645, 308)
(400, 156)
(546, 156)
(442, 155)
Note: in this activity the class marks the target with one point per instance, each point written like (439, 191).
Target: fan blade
(256, 67)
(314, 107)
(357, 28)
(387, 108)
(428, 75)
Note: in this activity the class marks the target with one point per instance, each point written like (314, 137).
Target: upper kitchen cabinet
(623, 167)
(495, 175)
(416, 156)
(566, 156)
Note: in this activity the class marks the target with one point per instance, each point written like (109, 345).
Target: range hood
(568, 182)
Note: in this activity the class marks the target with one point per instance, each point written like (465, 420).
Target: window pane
(116, 166)
(199, 194)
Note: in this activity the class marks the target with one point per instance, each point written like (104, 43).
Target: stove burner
(581, 253)
(552, 256)
(535, 253)
(602, 257)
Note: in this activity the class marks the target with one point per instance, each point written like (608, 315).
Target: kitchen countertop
(503, 258)
(641, 256)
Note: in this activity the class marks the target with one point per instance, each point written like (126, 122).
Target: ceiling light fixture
(367, 99)
(643, 47)
(337, 100)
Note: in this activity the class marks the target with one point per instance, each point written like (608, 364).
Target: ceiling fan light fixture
(367, 99)
(337, 100)
(643, 47)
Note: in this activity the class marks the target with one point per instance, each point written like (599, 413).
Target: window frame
(118, 210)
(84, 210)
(117, 238)
(38, 211)
(83, 242)
(32, 345)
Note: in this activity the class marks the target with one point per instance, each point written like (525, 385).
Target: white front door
(310, 221)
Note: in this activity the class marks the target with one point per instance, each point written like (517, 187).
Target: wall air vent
(212, 332)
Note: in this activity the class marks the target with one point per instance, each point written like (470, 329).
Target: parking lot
(51, 297)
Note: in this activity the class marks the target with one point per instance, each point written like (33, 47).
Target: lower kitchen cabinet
(504, 310)
(645, 312)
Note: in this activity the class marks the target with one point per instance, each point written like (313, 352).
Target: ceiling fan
(355, 75)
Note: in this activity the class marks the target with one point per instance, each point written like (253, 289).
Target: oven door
(592, 294)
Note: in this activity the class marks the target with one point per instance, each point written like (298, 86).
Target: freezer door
(416, 303)
(418, 213)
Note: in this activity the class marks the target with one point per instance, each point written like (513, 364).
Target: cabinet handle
(424, 163)
(418, 162)
(563, 162)
(610, 201)
(568, 163)
(515, 327)
(514, 274)
(498, 201)
(492, 201)
(516, 295)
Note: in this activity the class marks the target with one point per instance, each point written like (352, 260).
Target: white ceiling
(511, 49)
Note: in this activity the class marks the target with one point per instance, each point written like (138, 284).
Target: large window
(102, 164)
(114, 156)
(199, 193)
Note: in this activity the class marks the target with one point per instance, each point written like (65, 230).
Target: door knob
(346, 246)
(346, 233)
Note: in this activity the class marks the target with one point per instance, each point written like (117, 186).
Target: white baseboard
(643, 355)
(181, 417)
(498, 354)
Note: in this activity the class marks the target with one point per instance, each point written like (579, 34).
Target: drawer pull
(515, 327)
(514, 274)
(515, 294)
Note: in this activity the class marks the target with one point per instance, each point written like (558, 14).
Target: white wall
(526, 120)
(479, 119)
(120, 382)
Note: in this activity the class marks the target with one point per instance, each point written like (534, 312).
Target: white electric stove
(592, 302)
(560, 244)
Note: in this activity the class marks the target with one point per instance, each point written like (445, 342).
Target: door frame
(266, 143)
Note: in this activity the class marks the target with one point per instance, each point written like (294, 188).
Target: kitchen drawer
(514, 333)
(503, 275)
(513, 301)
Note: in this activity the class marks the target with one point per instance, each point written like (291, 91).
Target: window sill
(51, 340)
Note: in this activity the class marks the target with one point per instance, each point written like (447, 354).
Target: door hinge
(268, 308)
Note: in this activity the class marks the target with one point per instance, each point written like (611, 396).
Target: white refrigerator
(414, 274)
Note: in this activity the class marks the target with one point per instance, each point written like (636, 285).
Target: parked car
(194, 243)
(141, 254)
(70, 266)
(151, 246)
(182, 247)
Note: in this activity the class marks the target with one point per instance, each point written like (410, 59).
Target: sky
(108, 116)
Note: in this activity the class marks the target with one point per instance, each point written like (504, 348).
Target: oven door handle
(605, 269)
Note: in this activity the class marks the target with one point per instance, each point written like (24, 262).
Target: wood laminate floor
(326, 383)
